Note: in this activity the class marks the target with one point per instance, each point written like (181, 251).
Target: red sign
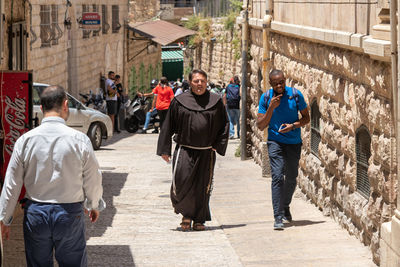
(91, 21)
(16, 112)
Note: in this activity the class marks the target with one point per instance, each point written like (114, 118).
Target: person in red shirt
(163, 95)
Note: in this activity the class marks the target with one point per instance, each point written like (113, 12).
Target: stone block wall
(351, 90)
(143, 10)
(217, 58)
(76, 62)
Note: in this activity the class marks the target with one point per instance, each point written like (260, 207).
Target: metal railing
(213, 8)
(179, 3)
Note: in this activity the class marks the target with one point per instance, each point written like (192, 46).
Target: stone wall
(143, 10)
(217, 58)
(351, 90)
(76, 63)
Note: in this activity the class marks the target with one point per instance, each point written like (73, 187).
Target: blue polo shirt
(286, 112)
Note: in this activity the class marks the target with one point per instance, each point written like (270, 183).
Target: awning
(160, 31)
(172, 56)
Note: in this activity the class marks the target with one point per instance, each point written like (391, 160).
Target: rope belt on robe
(176, 163)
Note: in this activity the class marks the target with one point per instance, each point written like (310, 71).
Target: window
(18, 49)
(104, 19)
(115, 19)
(86, 33)
(71, 102)
(45, 27)
(54, 25)
(363, 152)
(315, 128)
(96, 10)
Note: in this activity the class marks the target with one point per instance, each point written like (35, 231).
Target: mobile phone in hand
(281, 127)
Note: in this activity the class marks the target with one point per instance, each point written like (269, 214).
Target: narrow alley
(139, 227)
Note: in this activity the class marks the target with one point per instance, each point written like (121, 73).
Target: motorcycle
(136, 114)
(95, 100)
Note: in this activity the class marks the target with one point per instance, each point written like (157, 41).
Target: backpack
(295, 95)
(233, 96)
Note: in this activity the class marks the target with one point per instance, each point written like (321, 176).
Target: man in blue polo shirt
(278, 109)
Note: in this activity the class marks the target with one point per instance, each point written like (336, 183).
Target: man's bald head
(52, 98)
(275, 72)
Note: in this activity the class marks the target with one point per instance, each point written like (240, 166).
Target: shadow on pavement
(115, 138)
(113, 182)
(108, 255)
(303, 223)
(224, 226)
(213, 228)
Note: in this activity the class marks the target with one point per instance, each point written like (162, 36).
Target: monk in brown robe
(198, 121)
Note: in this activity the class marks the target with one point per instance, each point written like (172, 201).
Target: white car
(96, 125)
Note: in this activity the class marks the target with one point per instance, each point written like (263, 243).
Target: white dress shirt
(56, 164)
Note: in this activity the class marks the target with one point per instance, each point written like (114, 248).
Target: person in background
(185, 87)
(152, 112)
(111, 96)
(218, 89)
(61, 175)
(120, 95)
(163, 95)
(232, 100)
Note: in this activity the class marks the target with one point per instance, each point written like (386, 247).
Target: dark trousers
(284, 161)
(162, 114)
(54, 226)
(116, 117)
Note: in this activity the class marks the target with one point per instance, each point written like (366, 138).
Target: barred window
(363, 152)
(96, 10)
(45, 26)
(315, 128)
(54, 25)
(104, 19)
(115, 19)
(86, 33)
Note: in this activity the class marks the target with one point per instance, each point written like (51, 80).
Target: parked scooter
(136, 114)
(95, 100)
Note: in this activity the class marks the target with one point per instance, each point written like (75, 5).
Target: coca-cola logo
(14, 115)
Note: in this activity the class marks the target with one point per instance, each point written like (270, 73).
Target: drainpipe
(395, 47)
(243, 115)
(266, 66)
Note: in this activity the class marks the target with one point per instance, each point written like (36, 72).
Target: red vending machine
(16, 112)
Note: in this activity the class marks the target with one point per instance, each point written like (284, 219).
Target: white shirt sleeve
(12, 184)
(92, 180)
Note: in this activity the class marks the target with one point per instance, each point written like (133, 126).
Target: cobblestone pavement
(139, 227)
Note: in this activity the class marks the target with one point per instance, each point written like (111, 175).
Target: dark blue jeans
(284, 161)
(54, 226)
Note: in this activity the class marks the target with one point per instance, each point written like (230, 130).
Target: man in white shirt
(59, 170)
(111, 96)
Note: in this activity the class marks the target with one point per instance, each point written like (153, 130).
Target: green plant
(237, 151)
(186, 71)
(193, 22)
(230, 21)
(236, 5)
(142, 78)
(236, 44)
